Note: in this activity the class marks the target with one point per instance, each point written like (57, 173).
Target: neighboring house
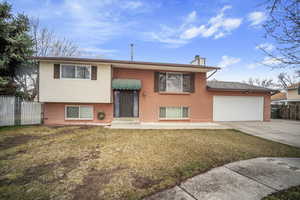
(279, 98)
(293, 93)
(76, 90)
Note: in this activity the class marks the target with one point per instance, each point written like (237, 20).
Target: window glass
(162, 112)
(185, 112)
(174, 82)
(83, 72)
(86, 112)
(186, 82)
(135, 104)
(68, 71)
(162, 82)
(173, 112)
(72, 112)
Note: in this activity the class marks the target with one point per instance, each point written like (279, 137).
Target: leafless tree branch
(283, 27)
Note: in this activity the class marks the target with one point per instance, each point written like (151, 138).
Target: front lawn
(86, 163)
(292, 193)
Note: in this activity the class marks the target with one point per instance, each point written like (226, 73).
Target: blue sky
(225, 32)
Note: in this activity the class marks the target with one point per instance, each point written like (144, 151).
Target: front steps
(125, 121)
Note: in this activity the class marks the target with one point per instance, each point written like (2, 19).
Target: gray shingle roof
(235, 86)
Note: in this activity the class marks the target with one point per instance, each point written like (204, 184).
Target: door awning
(126, 84)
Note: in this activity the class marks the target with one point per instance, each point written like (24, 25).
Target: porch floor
(169, 125)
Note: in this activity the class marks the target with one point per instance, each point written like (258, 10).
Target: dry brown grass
(95, 163)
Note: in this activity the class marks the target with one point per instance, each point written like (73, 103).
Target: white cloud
(227, 61)
(191, 17)
(217, 27)
(97, 52)
(270, 61)
(256, 18)
(192, 32)
(167, 36)
(132, 4)
(265, 46)
(252, 65)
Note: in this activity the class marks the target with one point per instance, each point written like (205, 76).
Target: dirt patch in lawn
(34, 173)
(16, 140)
(141, 182)
(92, 184)
(13, 155)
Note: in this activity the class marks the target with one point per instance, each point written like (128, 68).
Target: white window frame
(170, 118)
(76, 65)
(181, 79)
(66, 118)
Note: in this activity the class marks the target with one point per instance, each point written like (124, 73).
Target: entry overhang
(126, 84)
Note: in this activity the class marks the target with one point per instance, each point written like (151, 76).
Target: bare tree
(283, 27)
(285, 80)
(46, 43)
(268, 83)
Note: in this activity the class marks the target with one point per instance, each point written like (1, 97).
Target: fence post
(17, 110)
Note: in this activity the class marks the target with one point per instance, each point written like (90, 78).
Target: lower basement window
(173, 113)
(74, 112)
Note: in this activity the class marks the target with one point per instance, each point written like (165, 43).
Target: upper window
(75, 71)
(174, 82)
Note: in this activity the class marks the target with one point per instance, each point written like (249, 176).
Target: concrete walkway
(247, 180)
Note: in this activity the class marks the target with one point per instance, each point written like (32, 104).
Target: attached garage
(233, 101)
(238, 108)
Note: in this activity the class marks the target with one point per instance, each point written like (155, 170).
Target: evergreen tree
(15, 46)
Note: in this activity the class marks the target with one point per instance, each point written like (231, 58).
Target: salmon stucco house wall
(100, 91)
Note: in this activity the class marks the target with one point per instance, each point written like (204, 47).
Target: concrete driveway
(284, 131)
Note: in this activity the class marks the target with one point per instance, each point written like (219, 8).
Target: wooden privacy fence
(14, 111)
(290, 111)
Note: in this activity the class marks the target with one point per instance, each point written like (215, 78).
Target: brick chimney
(198, 61)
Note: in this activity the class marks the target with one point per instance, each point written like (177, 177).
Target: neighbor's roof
(278, 96)
(235, 86)
(294, 86)
(122, 62)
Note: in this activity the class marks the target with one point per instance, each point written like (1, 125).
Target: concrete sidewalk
(247, 180)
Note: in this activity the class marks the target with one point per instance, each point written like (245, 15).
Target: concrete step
(125, 120)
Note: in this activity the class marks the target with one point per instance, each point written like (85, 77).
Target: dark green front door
(126, 103)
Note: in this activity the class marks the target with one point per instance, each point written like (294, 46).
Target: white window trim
(76, 65)
(66, 118)
(181, 75)
(168, 118)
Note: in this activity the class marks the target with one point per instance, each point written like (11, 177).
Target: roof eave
(240, 90)
(122, 62)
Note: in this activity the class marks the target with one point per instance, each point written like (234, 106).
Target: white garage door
(237, 108)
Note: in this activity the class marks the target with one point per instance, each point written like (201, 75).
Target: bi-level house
(99, 91)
